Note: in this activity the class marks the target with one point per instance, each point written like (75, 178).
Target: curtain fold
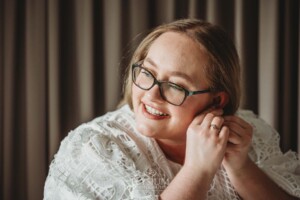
(13, 95)
(1, 102)
(246, 37)
(62, 64)
(33, 136)
(268, 72)
(288, 70)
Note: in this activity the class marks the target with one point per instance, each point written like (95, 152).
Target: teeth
(154, 112)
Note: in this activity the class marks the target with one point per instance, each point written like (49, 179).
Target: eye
(146, 73)
(175, 87)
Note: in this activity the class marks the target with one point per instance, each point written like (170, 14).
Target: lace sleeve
(284, 169)
(93, 163)
(58, 185)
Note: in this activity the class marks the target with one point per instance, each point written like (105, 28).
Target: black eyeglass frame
(186, 92)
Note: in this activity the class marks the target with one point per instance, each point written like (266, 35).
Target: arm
(249, 181)
(187, 185)
(252, 183)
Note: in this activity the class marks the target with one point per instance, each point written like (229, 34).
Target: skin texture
(184, 132)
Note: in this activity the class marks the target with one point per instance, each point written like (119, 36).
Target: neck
(173, 151)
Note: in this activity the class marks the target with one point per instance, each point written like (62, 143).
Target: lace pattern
(108, 159)
(266, 153)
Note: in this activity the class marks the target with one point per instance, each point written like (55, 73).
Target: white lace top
(108, 159)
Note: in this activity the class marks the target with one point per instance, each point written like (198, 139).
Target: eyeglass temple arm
(189, 93)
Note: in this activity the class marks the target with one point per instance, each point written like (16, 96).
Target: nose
(154, 94)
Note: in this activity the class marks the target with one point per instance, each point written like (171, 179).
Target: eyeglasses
(170, 92)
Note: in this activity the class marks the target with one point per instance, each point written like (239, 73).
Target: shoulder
(103, 125)
(106, 158)
(250, 116)
(98, 139)
(99, 130)
(89, 152)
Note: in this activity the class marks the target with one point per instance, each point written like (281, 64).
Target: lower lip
(151, 116)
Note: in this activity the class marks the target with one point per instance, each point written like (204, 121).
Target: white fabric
(108, 159)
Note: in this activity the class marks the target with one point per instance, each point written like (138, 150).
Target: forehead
(179, 52)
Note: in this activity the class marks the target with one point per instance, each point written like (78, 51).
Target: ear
(220, 100)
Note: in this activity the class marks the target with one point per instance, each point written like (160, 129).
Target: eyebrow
(173, 73)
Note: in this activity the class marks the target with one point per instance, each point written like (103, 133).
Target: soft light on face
(176, 58)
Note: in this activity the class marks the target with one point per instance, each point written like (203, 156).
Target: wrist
(189, 183)
(243, 170)
(196, 173)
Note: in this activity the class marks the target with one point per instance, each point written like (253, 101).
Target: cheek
(192, 109)
(183, 116)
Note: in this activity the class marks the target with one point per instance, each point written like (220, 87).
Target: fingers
(218, 128)
(240, 130)
(213, 125)
(213, 121)
(237, 121)
(224, 133)
(216, 123)
(214, 112)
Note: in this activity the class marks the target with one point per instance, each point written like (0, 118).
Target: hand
(239, 142)
(206, 145)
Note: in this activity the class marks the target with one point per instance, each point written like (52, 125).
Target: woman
(177, 135)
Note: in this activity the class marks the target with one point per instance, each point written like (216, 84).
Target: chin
(145, 130)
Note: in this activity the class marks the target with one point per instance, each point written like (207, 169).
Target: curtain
(62, 64)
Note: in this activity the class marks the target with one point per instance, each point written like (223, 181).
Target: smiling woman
(178, 125)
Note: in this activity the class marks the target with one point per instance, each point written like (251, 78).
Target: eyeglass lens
(171, 92)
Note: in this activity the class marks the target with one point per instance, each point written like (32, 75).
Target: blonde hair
(223, 70)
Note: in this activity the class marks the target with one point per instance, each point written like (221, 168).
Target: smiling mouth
(154, 111)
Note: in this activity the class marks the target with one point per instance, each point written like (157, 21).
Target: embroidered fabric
(108, 159)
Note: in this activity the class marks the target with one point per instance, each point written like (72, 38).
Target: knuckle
(209, 115)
